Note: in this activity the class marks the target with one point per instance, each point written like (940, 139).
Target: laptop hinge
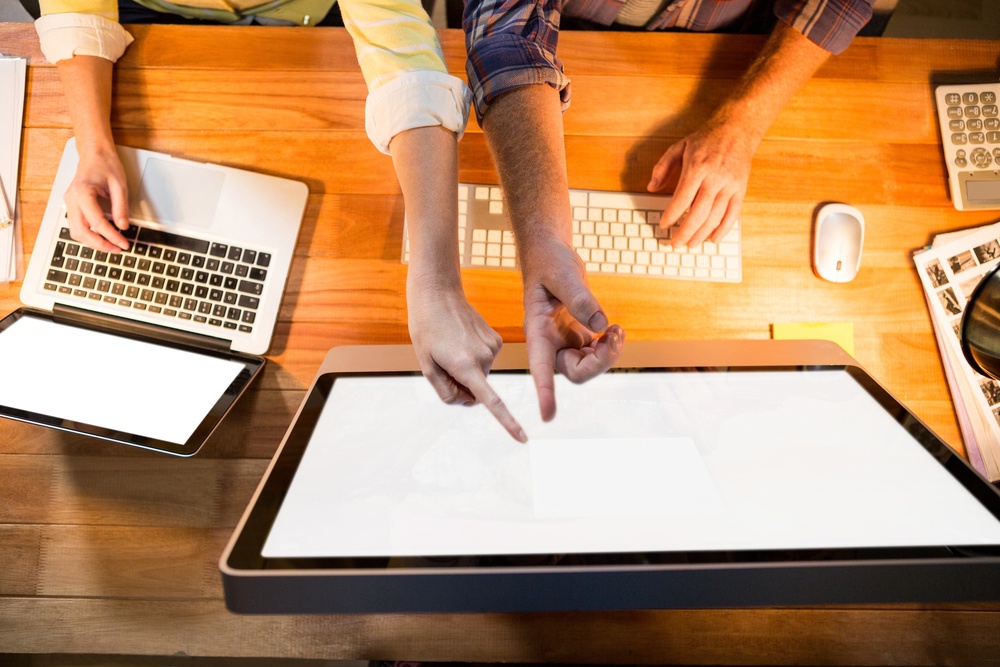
(119, 325)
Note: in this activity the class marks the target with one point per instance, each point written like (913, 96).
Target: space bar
(628, 200)
(147, 235)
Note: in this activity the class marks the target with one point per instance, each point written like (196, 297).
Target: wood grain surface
(106, 549)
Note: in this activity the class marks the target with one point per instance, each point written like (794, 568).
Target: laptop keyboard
(164, 273)
(614, 233)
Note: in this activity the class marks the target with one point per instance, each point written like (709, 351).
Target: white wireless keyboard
(613, 232)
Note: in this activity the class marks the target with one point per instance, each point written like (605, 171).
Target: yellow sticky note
(841, 333)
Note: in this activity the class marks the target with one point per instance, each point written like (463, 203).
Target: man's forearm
(86, 84)
(786, 63)
(525, 134)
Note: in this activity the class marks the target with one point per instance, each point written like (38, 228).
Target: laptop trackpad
(177, 193)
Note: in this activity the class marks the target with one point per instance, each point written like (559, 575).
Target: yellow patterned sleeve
(106, 8)
(391, 37)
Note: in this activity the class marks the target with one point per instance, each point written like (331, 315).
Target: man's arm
(562, 318)
(714, 161)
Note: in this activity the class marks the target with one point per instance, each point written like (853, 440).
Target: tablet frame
(252, 365)
(254, 584)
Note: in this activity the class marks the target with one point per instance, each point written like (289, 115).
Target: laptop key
(177, 241)
(249, 301)
(250, 287)
(57, 276)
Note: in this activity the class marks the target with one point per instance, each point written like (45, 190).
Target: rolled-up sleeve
(512, 44)
(831, 24)
(416, 99)
(81, 27)
(401, 59)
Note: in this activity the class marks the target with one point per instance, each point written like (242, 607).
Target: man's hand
(563, 322)
(714, 166)
(456, 349)
(714, 162)
(98, 176)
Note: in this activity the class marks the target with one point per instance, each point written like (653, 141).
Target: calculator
(970, 132)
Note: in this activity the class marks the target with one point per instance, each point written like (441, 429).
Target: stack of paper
(13, 73)
(949, 271)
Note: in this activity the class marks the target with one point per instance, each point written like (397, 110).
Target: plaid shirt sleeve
(831, 24)
(512, 44)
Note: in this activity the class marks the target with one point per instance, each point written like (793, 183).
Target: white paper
(578, 478)
(13, 72)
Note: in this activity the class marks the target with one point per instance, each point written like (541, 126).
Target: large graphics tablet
(693, 475)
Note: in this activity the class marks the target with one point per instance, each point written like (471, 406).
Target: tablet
(134, 387)
(692, 475)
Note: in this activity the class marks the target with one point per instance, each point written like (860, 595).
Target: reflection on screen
(107, 381)
(633, 462)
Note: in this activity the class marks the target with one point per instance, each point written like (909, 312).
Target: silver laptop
(174, 322)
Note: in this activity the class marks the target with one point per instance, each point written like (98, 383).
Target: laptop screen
(749, 460)
(123, 388)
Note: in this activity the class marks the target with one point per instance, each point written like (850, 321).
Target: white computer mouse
(838, 237)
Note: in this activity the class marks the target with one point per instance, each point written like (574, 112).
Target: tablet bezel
(404, 584)
(251, 368)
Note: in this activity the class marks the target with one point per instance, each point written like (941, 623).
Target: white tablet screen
(633, 462)
(108, 381)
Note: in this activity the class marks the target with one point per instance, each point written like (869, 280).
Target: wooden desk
(107, 549)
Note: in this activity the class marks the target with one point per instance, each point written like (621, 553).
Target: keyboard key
(250, 287)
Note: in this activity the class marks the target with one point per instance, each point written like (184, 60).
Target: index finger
(484, 393)
(541, 361)
(93, 217)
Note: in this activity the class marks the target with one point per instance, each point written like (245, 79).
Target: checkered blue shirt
(512, 43)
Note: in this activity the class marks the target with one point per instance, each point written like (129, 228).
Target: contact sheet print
(949, 271)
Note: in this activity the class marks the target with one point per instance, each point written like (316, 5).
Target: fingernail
(598, 322)
(522, 436)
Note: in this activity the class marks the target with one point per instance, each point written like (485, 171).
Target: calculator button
(981, 158)
(993, 137)
(959, 139)
(992, 123)
(956, 125)
(960, 153)
(996, 155)
(990, 110)
(954, 112)
(976, 137)
(952, 98)
(970, 98)
(974, 125)
(972, 112)
(961, 162)
(988, 97)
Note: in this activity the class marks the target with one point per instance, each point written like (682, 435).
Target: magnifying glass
(980, 330)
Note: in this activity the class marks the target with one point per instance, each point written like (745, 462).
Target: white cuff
(420, 98)
(63, 36)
